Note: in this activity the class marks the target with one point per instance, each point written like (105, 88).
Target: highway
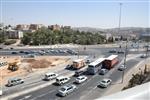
(85, 91)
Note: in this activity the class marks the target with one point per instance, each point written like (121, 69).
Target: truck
(79, 63)
(110, 62)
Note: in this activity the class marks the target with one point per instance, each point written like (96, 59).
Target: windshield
(62, 89)
(103, 81)
(90, 66)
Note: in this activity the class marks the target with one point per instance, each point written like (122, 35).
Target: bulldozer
(13, 66)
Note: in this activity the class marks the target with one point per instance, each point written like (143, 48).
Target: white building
(14, 34)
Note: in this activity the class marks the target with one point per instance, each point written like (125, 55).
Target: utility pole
(120, 19)
(125, 56)
(125, 53)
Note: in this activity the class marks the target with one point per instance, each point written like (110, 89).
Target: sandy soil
(28, 65)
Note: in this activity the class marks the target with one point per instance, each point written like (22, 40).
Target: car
(61, 51)
(122, 67)
(81, 79)
(50, 76)
(13, 52)
(65, 90)
(30, 55)
(41, 52)
(62, 80)
(3, 63)
(105, 83)
(15, 81)
(103, 71)
(79, 73)
(112, 51)
(1, 93)
(21, 51)
(121, 52)
(68, 67)
(87, 61)
(72, 52)
(143, 56)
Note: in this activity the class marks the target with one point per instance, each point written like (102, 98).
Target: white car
(105, 83)
(122, 67)
(81, 79)
(1, 92)
(65, 90)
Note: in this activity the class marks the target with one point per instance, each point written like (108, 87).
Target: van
(62, 80)
(50, 76)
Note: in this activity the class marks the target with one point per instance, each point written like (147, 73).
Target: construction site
(16, 66)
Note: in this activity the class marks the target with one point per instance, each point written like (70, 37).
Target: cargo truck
(79, 63)
(110, 62)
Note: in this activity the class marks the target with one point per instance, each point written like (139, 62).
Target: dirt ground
(28, 65)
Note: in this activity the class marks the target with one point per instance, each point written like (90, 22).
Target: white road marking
(42, 95)
(28, 96)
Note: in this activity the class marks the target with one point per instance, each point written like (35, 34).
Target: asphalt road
(85, 91)
(80, 50)
(49, 93)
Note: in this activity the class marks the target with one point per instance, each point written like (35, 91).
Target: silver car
(105, 83)
(14, 81)
(122, 67)
(65, 90)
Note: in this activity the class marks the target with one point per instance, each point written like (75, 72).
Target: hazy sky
(77, 13)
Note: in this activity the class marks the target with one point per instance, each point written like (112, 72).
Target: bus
(94, 67)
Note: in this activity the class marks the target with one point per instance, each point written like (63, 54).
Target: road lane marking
(42, 95)
(28, 96)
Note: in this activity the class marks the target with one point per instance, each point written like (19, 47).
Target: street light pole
(120, 19)
(125, 56)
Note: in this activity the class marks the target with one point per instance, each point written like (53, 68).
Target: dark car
(13, 52)
(88, 61)
(27, 52)
(103, 71)
(112, 51)
(21, 51)
(78, 73)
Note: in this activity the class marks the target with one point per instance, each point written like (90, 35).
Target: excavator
(13, 66)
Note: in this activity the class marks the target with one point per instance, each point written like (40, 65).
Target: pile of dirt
(43, 63)
(28, 60)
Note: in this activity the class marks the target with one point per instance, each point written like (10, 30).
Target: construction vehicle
(13, 66)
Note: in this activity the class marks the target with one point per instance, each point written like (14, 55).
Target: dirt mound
(43, 63)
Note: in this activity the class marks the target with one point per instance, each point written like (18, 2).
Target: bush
(9, 42)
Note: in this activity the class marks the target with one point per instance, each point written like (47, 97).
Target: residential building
(35, 26)
(22, 27)
(54, 27)
(14, 34)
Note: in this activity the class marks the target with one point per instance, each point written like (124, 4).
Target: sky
(76, 13)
